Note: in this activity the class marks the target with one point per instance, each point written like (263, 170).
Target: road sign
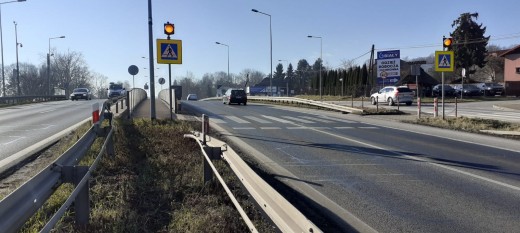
(161, 81)
(169, 51)
(133, 70)
(388, 66)
(444, 61)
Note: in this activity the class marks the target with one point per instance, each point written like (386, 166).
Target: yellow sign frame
(451, 61)
(162, 44)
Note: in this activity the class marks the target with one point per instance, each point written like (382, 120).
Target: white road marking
(237, 120)
(217, 121)
(298, 119)
(14, 140)
(277, 119)
(52, 110)
(344, 127)
(424, 160)
(337, 119)
(316, 119)
(243, 128)
(268, 128)
(258, 119)
(368, 127)
(298, 127)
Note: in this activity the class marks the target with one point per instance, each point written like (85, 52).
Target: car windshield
(237, 92)
(404, 89)
(80, 90)
(115, 86)
(469, 86)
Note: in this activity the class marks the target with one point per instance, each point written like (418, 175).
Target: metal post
(377, 103)
(419, 107)
(435, 107)
(81, 204)
(2, 47)
(18, 90)
(170, 87)
(455, 107)
(442, 95)
(150, 55)
(208, 172)
(205, 127)
(49, 73)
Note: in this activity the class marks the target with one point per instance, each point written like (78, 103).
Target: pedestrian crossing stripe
(169, 51)
(444, 61)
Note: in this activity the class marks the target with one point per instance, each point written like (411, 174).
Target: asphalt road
(26, 125)
(377, 174)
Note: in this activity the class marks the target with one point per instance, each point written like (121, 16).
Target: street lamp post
(271, 49)
(19, 92)
(227, 57)
(2, 44)
(49, 64)
(321, 59)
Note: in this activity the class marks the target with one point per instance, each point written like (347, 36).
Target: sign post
(169, 52)
(444, 61)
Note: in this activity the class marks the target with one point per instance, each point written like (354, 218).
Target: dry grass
(467, 124)
(154, 184)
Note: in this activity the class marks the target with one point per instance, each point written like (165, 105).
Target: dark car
(81, 93)
(467, 90)
(448, 90)
(491, 89)
(237, 96)
(192, 97)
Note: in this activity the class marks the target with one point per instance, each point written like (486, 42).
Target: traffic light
(447, 43)
(169, 29)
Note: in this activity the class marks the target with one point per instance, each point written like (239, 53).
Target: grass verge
(467, 124)
(154, 184)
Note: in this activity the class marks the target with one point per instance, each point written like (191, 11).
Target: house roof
(514, 50)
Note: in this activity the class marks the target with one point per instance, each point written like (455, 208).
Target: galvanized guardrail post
(74, 174)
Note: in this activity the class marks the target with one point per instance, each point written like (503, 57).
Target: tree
(469, 43)
(302, 76)
(69, 71)
(278, 73)
(254, 76)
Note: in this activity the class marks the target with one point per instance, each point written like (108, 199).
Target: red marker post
(95, 113)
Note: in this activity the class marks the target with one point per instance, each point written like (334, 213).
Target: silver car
(393, 95)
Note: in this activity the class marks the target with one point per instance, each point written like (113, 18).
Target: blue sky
(113, 34)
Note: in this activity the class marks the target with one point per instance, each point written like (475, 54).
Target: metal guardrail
(21, 204)
(30, 99)
(282, 213)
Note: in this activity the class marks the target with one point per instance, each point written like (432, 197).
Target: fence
(30, 99)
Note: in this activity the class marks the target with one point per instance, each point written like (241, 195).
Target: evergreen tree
(278, 73)
(469, 43)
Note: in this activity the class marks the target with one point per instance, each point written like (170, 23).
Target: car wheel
(245, 103)
(390, 101)
(373, 100)
(408, 103)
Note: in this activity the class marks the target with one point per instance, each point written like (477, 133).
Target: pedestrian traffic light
(447, 43)
(169, 29)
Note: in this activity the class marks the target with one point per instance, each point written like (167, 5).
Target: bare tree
(69, 70)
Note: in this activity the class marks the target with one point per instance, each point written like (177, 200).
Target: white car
(392, 95)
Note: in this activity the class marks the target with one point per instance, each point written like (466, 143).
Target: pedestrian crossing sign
(444, 61)
(169, 51)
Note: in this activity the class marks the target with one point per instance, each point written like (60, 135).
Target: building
(512, 71)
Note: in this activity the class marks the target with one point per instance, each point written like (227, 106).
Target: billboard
(388, 67)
